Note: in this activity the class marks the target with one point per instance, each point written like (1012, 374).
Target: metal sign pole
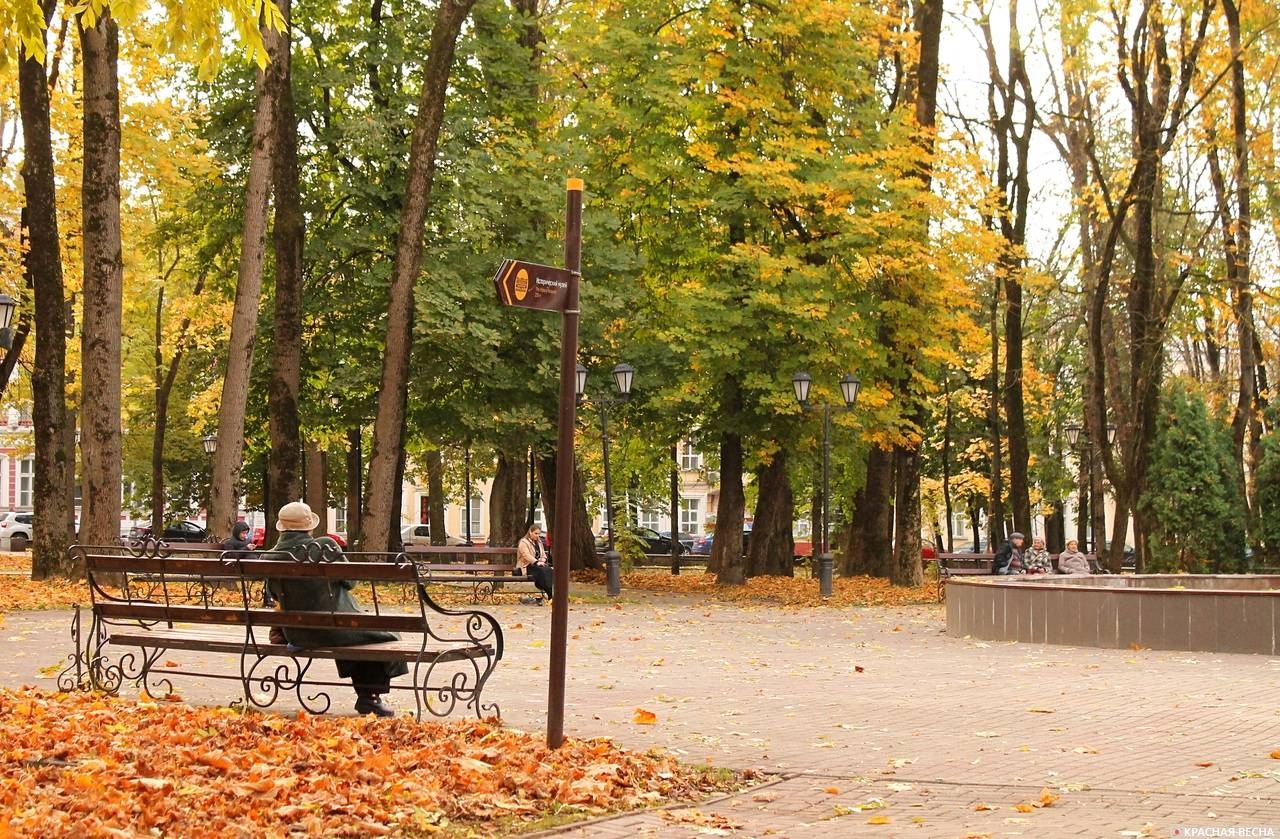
(563, 533)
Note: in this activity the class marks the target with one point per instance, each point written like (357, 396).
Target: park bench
(485, 571)
(143, 606)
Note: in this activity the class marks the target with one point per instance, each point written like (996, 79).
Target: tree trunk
(582, 549)
(388, 428)
(946, 471)
(317, 466)
(507, 501)
(726, 549)
(435, 496)
(355, 484)
(162, 420)
(284, 472)
(868, 549)
(907, 568)
(772, 550)
(228, 459)
(995, 504)
(42, 267)
(103, 284)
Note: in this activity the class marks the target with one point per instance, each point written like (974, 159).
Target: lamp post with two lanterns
(1078, 440)
(849, 386)
(623, 374)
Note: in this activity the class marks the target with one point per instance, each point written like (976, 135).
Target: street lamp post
(849, 386)
(1078, 439)
(210, 446)
(623, 374)
(7, 307)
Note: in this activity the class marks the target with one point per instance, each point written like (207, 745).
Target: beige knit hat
(296, 516)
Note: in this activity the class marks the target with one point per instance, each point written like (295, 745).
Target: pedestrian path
(875, 722)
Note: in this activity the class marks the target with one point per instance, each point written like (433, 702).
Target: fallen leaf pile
(15, 562)
(22, 594)
(84, 764)
(784, 591)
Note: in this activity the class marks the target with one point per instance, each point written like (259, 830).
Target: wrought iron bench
(144, 604)
(486, 571)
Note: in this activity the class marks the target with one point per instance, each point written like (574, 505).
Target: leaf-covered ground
(89, 765)
(777, 591)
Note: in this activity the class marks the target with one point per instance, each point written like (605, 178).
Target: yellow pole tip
(574, 185)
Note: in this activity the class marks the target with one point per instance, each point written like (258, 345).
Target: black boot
(371, 703)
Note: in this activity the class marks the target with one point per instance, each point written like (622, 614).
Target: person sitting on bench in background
(531, 561)
(1009, 556)
(371, 679)
(1071, 561)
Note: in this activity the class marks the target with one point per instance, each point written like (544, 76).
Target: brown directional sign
(532, 286)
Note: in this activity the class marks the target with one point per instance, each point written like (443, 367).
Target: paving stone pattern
(875, 715)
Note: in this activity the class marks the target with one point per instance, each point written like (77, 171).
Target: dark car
(702, 545)
(652, 541)
(178, 531)
(686, 539)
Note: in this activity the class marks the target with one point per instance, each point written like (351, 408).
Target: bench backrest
(157, 586)
(438, 554)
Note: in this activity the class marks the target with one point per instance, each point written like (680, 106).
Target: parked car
(178, 531)
(16, 530)
(653, 541)
(420, 534)
(702, 545)
(686, 539)
(260, 536)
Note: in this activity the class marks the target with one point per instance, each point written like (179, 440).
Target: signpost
(533, 286)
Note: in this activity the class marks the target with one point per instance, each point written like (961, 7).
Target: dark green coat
(314, 595)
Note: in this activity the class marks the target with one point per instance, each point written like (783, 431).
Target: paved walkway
(874, 722)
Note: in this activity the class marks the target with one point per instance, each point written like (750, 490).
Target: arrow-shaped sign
(532, 286)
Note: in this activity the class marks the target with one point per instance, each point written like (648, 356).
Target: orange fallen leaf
(643, 717)
(1275, 755)
(1136, 647)
(173, 696)
(858, 668)
(1024, 807)
(171, 663)
(215, 760)
(981, 806)
(1206, 764)
(880, 818)
(832, 790)
(1047, 797)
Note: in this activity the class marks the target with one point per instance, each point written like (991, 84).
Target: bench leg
(441, 696)
(76, 675)
(288, 675)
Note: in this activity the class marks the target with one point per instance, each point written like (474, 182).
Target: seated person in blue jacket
(371, 679)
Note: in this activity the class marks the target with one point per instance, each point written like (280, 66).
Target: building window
(26, 471)
(690, 515)
(690, 458)
(539, 518)
(340, 518)
(476, 512)
(650, 519)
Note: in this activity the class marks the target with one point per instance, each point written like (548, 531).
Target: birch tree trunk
(284, 469)
(388, 430)
(228, 459)
(103, 284)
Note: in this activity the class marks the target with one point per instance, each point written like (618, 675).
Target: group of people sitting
(1013, 558)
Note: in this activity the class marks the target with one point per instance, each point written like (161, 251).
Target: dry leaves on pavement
(784, 591)
(89, 765)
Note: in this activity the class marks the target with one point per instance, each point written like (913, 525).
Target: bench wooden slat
(239, 616)
(223, 643)
(253, 568)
